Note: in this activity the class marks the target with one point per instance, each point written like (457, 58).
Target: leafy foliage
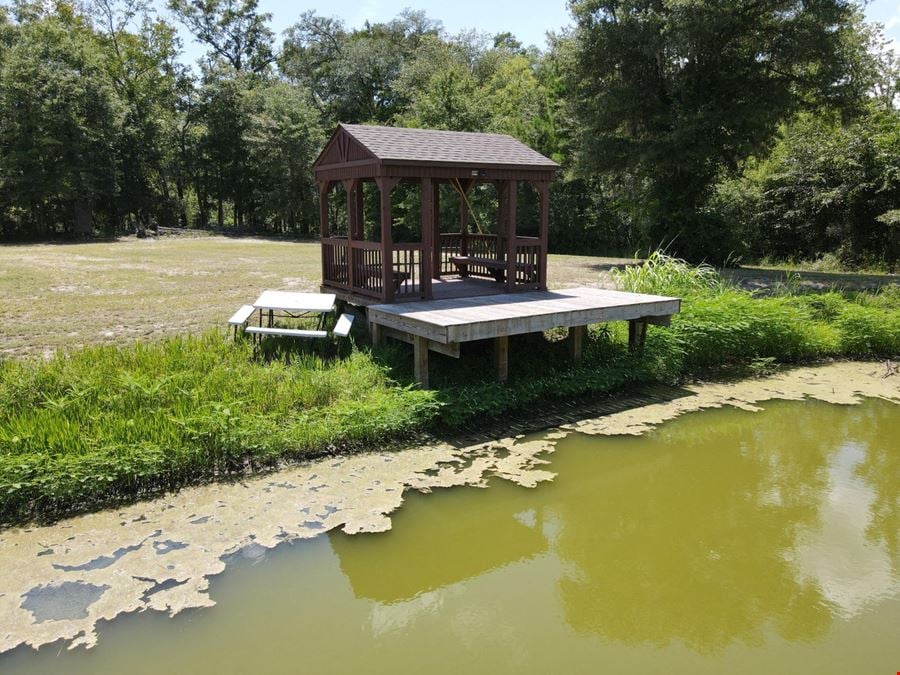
(713, 128)
(826, 188)
(670, 94)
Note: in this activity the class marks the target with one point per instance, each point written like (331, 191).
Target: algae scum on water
(763, 536)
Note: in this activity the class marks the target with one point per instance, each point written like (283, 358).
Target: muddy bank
(59, 581)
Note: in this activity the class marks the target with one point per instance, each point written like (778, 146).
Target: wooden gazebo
(443, 264)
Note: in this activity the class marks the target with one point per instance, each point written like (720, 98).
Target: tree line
(717, 128)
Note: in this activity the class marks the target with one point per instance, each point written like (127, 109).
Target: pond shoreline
(160, 554)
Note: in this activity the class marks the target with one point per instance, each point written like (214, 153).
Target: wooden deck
(445, 288)
(440, 325)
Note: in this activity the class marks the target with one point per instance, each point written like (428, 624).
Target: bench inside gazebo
(442, 264)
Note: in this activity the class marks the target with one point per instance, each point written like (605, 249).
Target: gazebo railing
(528, 262)
(408, 270)
(528, 254)
(366, 274)
(476, 246)
(335, 252)
(451, 245)
(368, 277)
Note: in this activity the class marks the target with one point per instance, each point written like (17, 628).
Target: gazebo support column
(324, 190)
(428, 237)
(351, 187)
(543, 189)
(436, 244)
(466, 185)
(385, 185)
(511, 195)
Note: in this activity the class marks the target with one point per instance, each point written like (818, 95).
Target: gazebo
(441, 265)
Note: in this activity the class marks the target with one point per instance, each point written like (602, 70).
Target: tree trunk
(84, 219)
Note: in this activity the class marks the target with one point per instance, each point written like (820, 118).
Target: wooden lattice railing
(365, 275)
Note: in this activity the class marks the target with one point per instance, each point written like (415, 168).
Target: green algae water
(724, 541)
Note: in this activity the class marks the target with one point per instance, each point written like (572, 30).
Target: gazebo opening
(431, 214)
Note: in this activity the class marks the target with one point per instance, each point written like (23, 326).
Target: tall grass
(663, 274)
(720, 324)
(107, 422)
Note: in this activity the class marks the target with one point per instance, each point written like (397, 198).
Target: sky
(528, 20)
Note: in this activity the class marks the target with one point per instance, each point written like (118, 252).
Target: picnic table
(294, 304)
(289, 304)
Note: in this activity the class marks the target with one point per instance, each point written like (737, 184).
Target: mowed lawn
(64, 295)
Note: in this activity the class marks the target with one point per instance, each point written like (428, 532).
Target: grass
(95, 425)
(106, 422)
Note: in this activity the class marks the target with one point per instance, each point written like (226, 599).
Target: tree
(826, 187)
(283, 139)
(353, 74)
(61, 121)
(143, 69)
(233, 29)
(441, 88)
(671, 94)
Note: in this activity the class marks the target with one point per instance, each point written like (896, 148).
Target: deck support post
(428, 237)
(576, 342)
(637, 334)
(377, 333)
(420, 358)
(501, 357)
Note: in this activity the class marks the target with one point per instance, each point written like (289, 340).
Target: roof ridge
(346, 125)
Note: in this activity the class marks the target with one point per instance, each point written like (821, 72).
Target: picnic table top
(290, 301)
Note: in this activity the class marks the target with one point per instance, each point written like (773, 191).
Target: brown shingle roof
(395, 144)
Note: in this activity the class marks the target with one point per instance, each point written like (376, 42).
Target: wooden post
(436, 220)
(385, 185)
(501, 357)
(324, 189)
(350, 187)
(544, 232)
(360, 211)
(512, 191)
(420, 357)
(576, 341)
(466, 185)
(501, 220)
(637, 333)
(427, 252)
(377, 333)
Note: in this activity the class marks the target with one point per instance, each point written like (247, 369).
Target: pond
(723, 541)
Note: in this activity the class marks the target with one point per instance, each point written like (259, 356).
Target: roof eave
(466, 164)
